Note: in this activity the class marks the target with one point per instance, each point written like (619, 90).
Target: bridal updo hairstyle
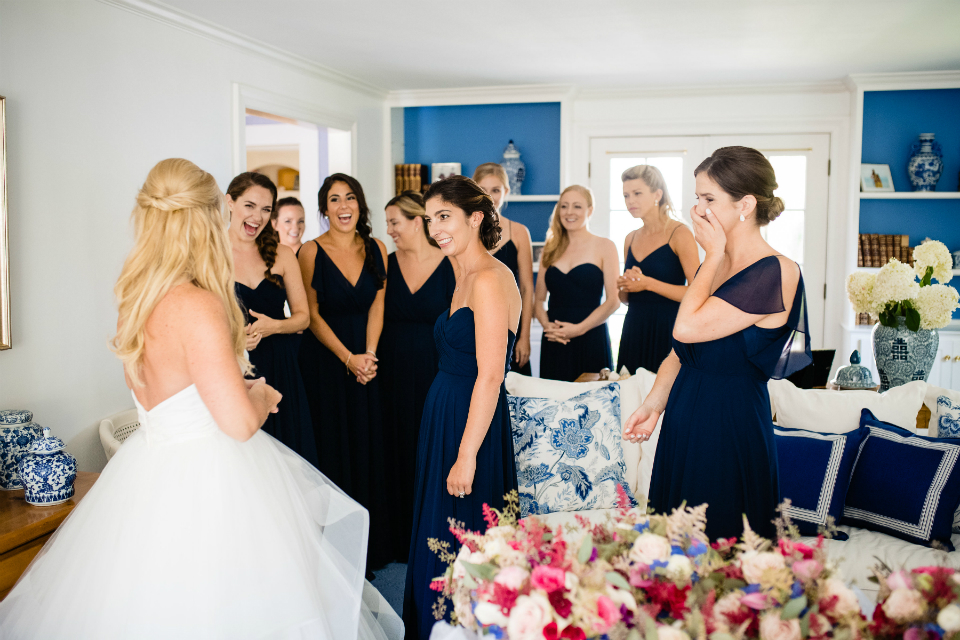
(742, 171)
(268, 239)
(180, 233)
(364, 229)
(465, 194)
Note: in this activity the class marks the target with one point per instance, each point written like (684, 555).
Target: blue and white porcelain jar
(903, 355)
(48, 472)
(17, 433)
(925, 164)
(514, 167)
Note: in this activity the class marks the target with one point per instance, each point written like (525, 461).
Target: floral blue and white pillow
(568, 452)
(947, 417)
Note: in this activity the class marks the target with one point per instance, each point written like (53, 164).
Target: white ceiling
(432, 44)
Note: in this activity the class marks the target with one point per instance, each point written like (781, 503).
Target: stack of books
(412, 177)
(866, 318)
(875, 250)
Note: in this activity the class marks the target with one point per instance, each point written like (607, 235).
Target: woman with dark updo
(344, 272)
(465, 450)
(742, 321)
(267, 276)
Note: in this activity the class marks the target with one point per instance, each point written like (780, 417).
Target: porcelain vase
(15, 441)
(903, 355)
(925, 164)
(513, 165)
(48, 472)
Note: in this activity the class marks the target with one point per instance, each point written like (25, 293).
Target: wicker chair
(117, 428)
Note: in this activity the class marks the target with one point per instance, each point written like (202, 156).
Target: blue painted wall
(474, 134)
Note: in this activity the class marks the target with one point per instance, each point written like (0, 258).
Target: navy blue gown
(408, 364)
(648, 328)
(346, 414)
(444, 420)
(275, 359)
(574, 296)
(507, 254)
(716, 442)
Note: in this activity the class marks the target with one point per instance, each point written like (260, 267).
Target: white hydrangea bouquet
(894, 291)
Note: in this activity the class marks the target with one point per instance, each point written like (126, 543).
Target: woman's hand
(253, 338)
(460, 480)
(640, 424)
(562, 332)
(264, 325)
(632, 281)
(363, 366)
(521, 351)
(708, 232)
(267, 394)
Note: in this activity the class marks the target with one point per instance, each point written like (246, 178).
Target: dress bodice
(457, 343)
(336, 296)
(433, 297)
(267, 299)
(579, 288)
(661, 264)
(507, 254)
(182, 416)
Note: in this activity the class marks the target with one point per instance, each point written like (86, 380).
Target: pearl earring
(742, 218)
(656, 203)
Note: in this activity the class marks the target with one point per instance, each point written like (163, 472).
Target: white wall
(96, 95)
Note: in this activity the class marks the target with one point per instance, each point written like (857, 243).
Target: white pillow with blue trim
(568, 452)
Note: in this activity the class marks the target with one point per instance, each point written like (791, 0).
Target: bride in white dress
(201, 526)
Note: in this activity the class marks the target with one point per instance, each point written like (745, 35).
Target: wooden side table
(24, 528)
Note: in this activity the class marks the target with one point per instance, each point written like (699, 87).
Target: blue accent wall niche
(474, 134)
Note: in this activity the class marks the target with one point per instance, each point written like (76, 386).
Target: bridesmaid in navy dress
(653, 285)
(515, 251)
(577, 268)
(344, 273)
(742, 322)
(465, 450)
(420, 283)
(266, 276)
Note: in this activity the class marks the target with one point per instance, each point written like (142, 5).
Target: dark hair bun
(465, 194)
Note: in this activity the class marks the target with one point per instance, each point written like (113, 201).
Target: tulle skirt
(204, 537)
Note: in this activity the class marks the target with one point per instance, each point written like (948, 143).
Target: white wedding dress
(189, 533)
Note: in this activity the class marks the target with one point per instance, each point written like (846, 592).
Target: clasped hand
(562, 332)
(363, 366)
(270, 395)
(262, 327)
(632, 281)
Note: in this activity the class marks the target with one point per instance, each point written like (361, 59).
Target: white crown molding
(178, 19)
(614, 93)
(903, 81)
(480, 95)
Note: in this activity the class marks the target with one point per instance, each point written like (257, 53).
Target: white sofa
(856, 556)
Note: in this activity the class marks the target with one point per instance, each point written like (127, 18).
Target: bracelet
(373, 353)
(346, 363)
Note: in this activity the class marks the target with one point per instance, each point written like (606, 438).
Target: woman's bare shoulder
(187, 307)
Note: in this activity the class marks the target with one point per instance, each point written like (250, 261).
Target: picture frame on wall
(441, 170)
(5, 337)
(537, 252)
(875, 178)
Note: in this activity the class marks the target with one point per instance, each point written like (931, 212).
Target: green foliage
(793, 608)
(485, 571)
(586, 549)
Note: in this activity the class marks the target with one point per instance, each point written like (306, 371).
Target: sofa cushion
(828, 411)
(568, 452)
(815, 473)
(944, 406)
(904, 485)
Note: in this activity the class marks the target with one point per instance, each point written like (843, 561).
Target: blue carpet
(389, 582)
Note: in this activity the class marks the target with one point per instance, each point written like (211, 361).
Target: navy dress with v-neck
(408, 364)
(275, 359)
(509, 256)
(346, 414)
(716, 443)
(648, 327)
(574, 295)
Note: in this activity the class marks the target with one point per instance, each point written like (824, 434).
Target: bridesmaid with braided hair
(266, 276)
(344, 274)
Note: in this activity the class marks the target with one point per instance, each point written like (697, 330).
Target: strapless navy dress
(408, 364)
(648, 328)
(716, 442)
(275, 359)
(444, 420)
(507, 254)
(346, 414)
(574, 296)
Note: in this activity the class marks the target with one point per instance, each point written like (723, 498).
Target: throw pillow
(568, 452)
(904, 485)
(815, 474)
(828, 411)
(944, 406)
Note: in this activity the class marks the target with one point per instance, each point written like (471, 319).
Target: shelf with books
(910, 195)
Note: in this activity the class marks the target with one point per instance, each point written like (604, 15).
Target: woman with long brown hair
(267, 277)
(344, 274)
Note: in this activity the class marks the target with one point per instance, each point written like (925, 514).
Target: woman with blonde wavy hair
(201, 525)
(576, 269)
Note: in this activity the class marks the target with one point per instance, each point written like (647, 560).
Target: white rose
(496, 547)
(619, 596)
(669, 633)
(949, 618)
(754, 564)
(528, 617)
(679, 568)
(773, 628)
(904, 605)
(512, 577)
(847, 603)
(571, 582)
(502, 532)
(649, 547)
(465, 555)
(488, 613)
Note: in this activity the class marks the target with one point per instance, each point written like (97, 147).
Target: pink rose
(904, 605)
(899, 580)
(608, 611)
(755, 564)
(773, 628)
(512, 577)
(549, 579)
(728, 605)
(847, 603)
(807, 570)
(528, 618)
(758, 601)
(649, 547)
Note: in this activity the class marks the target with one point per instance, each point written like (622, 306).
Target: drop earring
(742, 218)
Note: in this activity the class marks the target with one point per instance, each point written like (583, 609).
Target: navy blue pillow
(815, 471)
(903, 484)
